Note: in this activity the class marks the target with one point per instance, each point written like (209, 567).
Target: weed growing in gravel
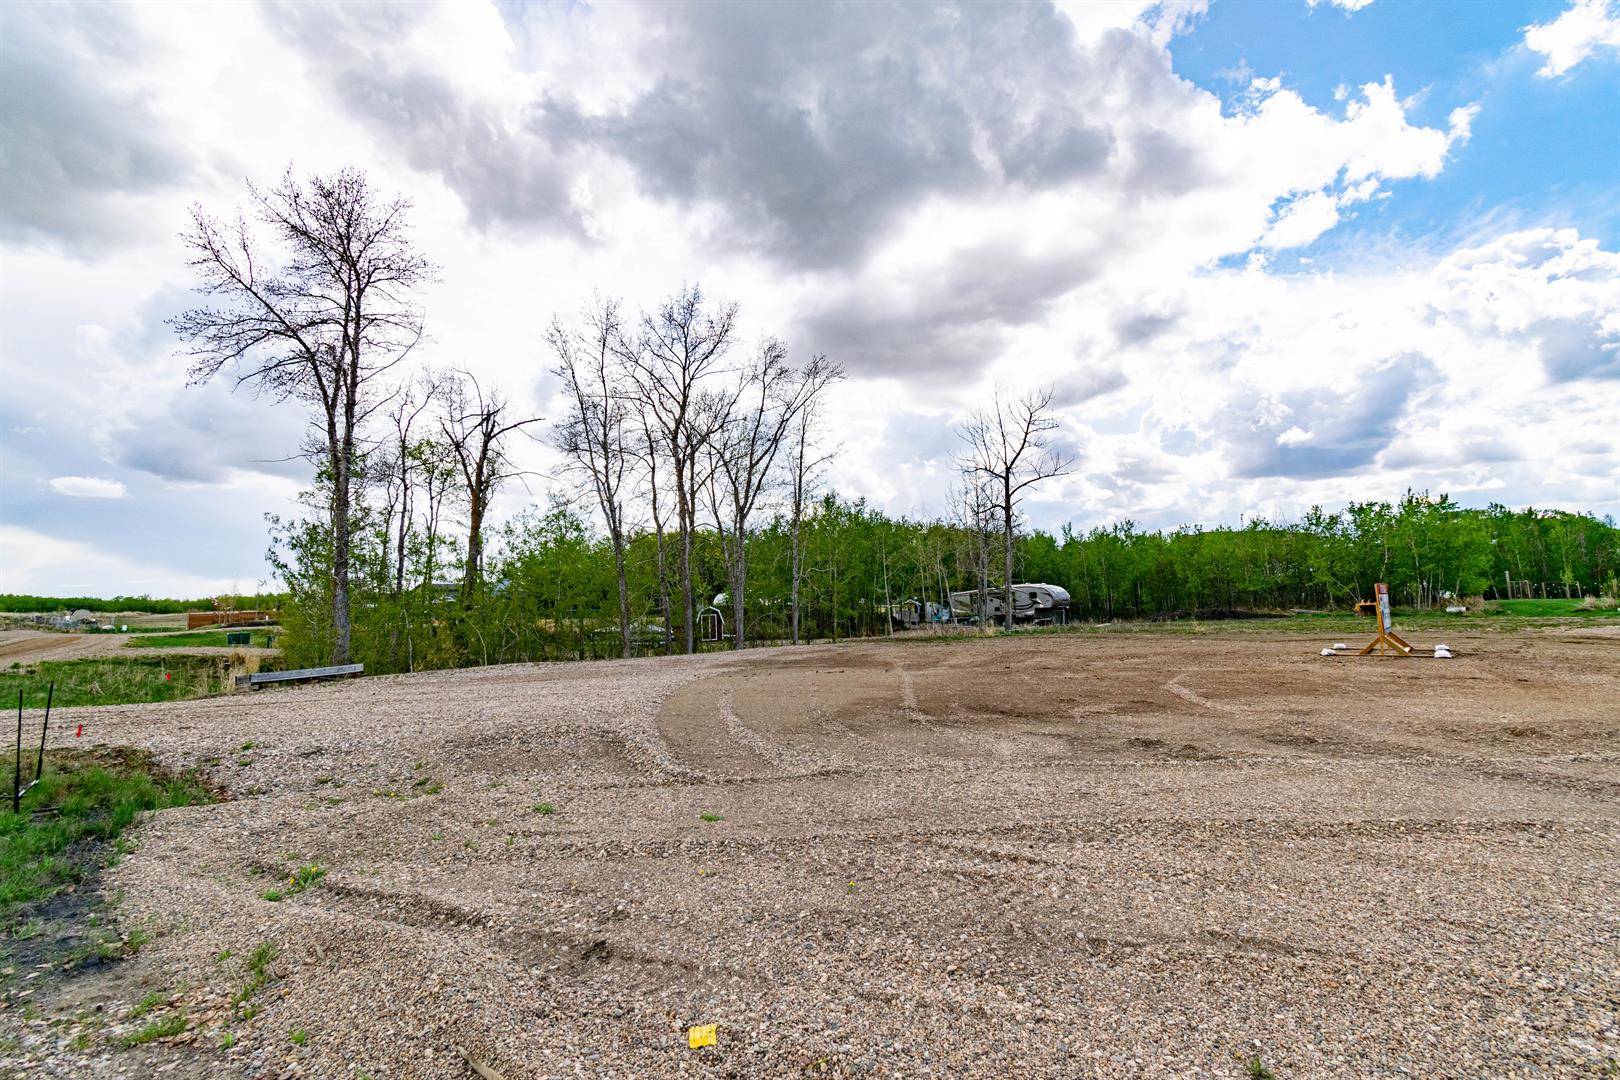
(301, 879)
(299, 1036)
(227, 1039)
(258, 975)
(544, 808)
(1258, 1071)
(146, 1005)
(711, 817)
(173, 1024)
(224, 955)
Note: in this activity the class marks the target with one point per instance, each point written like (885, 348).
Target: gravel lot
(1053, 856)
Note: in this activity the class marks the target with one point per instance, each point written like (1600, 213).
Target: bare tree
(595, 435)
(647, 450)
(670, 364)
(1008, 447)
(770, 396)
(804, 468)
(403, 466)
(317, 315)
(474, 427)
(975, 511)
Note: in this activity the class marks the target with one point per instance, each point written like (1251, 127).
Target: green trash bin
(238, 637)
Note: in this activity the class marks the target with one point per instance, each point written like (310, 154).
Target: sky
(1267, 255)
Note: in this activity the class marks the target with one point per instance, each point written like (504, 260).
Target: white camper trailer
(1033, 602)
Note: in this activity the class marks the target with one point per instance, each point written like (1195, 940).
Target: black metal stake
(39, 766)
(16, 787)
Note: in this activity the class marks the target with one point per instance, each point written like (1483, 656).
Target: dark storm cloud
(503, 176)
(810, 127)
(952, 323)
(70, 140)
(502, 179)
(816, 125)
(1346, 431)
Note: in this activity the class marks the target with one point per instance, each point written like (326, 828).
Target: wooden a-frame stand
(1387, 637)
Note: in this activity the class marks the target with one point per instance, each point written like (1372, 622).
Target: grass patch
(84, 801)
(168, 1026)
(255, 978)
(545, 809)
(121, 681)
(147, 1004)
(711, 817)
(298, 1036)
(200, 639)
(1256, 1070)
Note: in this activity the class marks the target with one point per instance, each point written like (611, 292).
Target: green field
(200, 639)
(115, 682)
(1553, 608)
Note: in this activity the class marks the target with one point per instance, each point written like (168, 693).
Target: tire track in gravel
(787, 759)
(706, 739)
(529, 943)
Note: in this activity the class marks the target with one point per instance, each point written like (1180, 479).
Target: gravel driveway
(1051, 856)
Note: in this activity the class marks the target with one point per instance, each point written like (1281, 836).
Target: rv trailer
(1033, 602)
(910, 614)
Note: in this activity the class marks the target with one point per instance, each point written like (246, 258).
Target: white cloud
(1347, 5)
(88, 487)
(1095, 262)
(1587, 28)
(34, 562)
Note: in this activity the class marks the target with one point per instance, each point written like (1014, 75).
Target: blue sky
(1269, 255)
(1541, 150)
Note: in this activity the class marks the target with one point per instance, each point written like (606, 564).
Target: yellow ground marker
(700, 1035)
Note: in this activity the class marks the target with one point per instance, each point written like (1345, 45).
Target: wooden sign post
(1387, 637)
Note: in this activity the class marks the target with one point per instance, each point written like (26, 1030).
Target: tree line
(691, 495)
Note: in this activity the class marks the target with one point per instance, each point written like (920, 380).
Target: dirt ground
(1052, 856)
(33, 646)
